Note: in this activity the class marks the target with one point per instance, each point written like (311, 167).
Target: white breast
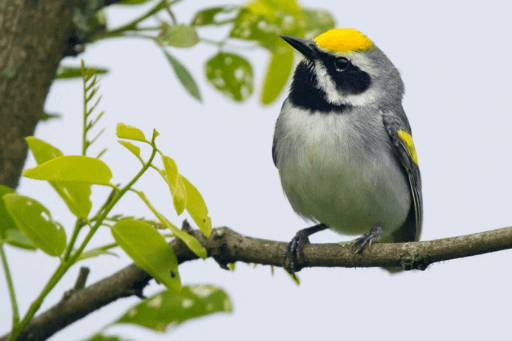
(338, 169)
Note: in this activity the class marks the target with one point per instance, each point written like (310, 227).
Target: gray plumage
(345, 165)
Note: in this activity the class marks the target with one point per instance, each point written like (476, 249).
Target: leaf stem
(132, 25)
(78, 226)
(171, 14)
(14, 304)
(107, 209)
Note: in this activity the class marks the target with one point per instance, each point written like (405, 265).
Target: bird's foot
(367, 239)
(294, 249)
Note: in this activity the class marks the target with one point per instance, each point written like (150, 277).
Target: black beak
(306, 47)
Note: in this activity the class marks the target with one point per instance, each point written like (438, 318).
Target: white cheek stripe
(326, 84)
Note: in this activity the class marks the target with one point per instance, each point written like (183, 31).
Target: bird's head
(344, 68)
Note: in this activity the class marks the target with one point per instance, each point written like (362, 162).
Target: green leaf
(196, 207)
(130, 133)
(131, 147)
(35, 221)
(96, 253)
(278, 72)
(184, 76)
(230, 74)
(215, 16)
(270, 7)
(149, 251)
(48, 116)
(16, 238)
(176, 185)
(8, 229)
(42, 151)
(75, 195)
(317, 22)
(65, 72)
(6, 222)
(263, 21)
(167, 308)
(191, 242)
(73, 168)
(251, 26)
(180, 35)
(132, 2)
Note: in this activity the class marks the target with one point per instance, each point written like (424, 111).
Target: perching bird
(343, 145)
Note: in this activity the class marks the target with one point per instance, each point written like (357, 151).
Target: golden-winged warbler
(343, 144)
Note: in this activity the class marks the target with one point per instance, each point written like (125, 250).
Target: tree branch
(227, 246)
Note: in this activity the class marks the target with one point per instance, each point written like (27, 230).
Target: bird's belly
(346, 186)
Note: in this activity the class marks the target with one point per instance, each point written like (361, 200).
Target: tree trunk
(34, 35)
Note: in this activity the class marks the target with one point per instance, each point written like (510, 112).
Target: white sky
(455, 62)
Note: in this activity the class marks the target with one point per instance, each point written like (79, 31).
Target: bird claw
(294, 251)
(367, 239)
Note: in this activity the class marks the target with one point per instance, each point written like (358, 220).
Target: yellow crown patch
(343, 40)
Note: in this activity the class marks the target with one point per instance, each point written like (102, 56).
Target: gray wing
(276, 132)
(399, 132)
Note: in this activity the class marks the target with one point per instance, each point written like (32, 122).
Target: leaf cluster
(256, 25)
(28, 224)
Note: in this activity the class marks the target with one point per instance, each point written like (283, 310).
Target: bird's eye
(341, 63)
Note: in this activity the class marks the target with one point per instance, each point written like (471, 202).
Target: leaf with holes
(149, 251)
(215, 16)
(73, 168)
(278, 73)
(230, 74)
(167, 308)
(317, 22)
(180, 35)
(184, 76)
(35, 221)
(75, 195)
(263, 21)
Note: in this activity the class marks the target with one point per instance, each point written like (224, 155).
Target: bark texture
(34, 37)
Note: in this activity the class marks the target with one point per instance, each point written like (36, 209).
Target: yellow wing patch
(343, 40)
(409, 144)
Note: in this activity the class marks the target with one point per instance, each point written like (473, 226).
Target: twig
(82, 278)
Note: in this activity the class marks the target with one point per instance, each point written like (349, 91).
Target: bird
(343, 145)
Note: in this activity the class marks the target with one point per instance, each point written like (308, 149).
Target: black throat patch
(304, 91)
